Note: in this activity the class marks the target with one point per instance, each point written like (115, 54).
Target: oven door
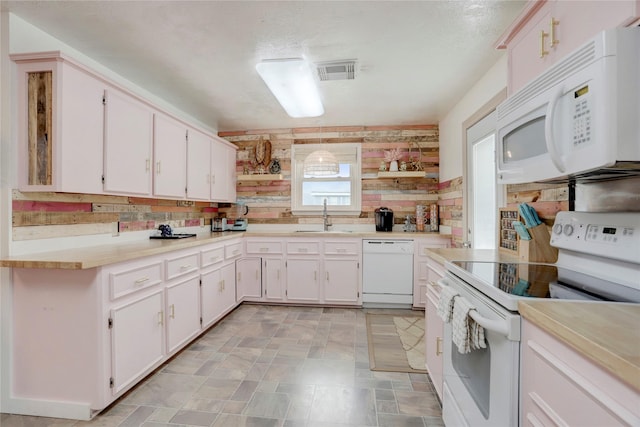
(481, 387)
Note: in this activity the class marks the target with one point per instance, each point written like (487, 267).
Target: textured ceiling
(415, 59)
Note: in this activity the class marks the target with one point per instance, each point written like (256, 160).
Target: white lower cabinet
(137, 339)
(561, 387)
(249, 279)
(434, 334)
(423, 269)
(182, 313)
(218, 293)
(341, 284)
(302, 280)
(273, 279)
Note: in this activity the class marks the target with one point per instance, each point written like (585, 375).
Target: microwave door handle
(548, 132)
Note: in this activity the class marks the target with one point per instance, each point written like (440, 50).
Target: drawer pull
(186, 267)
(160, 318)
(303, 250)
(215, 258)
(264, 249)
(342, 250)
(438, 346)
(173, 311)
(236, 251)
(141, 280)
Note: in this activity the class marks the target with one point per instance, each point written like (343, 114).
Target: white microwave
(579, 119)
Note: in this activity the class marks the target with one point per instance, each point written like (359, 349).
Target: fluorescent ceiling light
(292, 83)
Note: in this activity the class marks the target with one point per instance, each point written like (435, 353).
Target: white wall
(451, 132)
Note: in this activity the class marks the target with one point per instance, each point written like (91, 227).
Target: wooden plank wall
(47, 215)
(546, 199)
(269, 201)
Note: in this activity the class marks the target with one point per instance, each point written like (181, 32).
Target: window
(342, 192)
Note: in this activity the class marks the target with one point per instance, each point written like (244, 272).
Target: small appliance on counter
(167, 233)
(384, 219)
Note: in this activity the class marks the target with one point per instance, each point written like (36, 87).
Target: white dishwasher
(387, 273)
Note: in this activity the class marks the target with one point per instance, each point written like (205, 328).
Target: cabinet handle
(221, 286)
(215, 258)
(213, 178)
(543, 52)
(278, 275)
(141, 280)
(236, 251)
(552, 32)
(208, 178)
(185, 267)
(161, 318)
(315, 276)
(173, 311)
(264, 249)
(302, 249)
(158, 167)
(341, 250)
(147, 165)
(438, 346)
(239, 276)
(327, 276)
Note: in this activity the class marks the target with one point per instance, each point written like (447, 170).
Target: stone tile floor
(272, 366)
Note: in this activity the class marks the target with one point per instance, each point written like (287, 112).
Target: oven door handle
(499, 326)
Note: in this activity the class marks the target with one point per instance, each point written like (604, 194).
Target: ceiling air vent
(337, 70)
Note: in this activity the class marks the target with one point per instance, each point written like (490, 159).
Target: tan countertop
(97, 256)
(606, 333)
(442, 255)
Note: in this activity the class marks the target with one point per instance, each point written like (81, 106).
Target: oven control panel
(611, 235)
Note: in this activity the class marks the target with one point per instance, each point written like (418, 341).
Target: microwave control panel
(581, 116)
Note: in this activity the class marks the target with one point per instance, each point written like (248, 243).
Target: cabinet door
(137, 339)
(183, 313)
(249, 279)
(220, 167)
(169, 157)
(273, 277)
(342, 281)
(218, 293)
(128, 140)
(434, 332)
(302, 280)
(198, 166)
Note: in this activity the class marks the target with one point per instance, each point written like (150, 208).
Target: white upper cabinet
(198, 165)
(169, 157)
(60, 125)
(547, 31)
(128, 142)
(223, 172)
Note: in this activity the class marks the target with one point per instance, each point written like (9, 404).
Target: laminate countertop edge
(606, 333)
(98, 256)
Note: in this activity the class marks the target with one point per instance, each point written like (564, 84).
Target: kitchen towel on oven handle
(445, 303)
(466, 333)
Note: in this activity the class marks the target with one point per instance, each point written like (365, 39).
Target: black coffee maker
(384, 219)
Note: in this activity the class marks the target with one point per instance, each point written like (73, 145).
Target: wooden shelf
(403, 174)
(260, 177)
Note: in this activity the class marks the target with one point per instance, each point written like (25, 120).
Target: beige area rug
(396, 343)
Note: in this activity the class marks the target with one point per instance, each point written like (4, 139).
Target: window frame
(346, 153)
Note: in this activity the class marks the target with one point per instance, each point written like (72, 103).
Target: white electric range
(598, 260)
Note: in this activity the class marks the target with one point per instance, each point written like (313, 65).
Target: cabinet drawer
(303, 247)
(182, 265)
(264, 247)
(134, 278)
(211, 256)
(342, 247)
(232, 250)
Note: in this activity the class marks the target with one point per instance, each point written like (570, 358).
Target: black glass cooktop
(546, 281)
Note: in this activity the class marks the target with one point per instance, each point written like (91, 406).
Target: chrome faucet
(326, 222)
